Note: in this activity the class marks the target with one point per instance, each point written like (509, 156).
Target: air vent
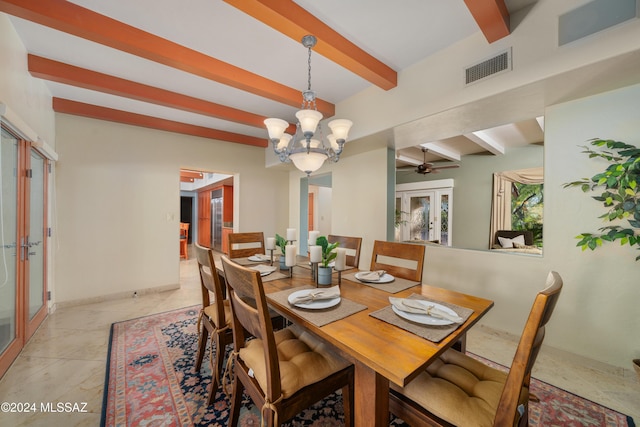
(489, 67)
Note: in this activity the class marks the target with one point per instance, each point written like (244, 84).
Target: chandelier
(306, 148)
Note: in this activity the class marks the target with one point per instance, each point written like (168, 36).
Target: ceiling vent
(497, 64)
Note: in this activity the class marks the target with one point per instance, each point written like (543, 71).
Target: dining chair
(214, 319)
(403, 260)
(286, 371)
(352, 244)
(458, 390)
(184, 240)
(242, 245)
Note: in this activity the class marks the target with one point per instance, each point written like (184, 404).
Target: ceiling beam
(70, 18)
(191, 174)
(485, 141)
(60, 72)
(292, 20)
(407, 159)
(443, 152)
(492, 16)
(67, 106)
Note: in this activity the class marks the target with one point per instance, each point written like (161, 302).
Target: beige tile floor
(65, 360)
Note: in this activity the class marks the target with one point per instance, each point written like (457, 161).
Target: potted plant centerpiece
(282, 244)
(328, 255)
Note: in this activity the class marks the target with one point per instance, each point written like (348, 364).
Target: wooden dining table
(381, 352)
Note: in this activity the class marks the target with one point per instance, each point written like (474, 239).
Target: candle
(341, 259)
(291, 234)
(315, 253)
(290, 255)
(313, 236)
(271, 243)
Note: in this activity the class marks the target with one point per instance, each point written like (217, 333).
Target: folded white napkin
(317, 295)
(261, 257)
(412, 306)
(263, 269)
(372, 275)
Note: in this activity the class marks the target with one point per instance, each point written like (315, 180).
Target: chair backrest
(250, 316)
(243, 245)
(527, 352)
(352, 244)
(210, 281)
(184, 229)
(403, 260)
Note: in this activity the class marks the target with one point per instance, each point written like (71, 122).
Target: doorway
(23, 234)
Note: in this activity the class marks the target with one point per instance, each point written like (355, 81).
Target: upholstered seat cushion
(459, 389)
(212, 314)
(304, 359)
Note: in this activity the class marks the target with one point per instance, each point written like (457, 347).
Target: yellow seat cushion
(303, 358)
(212, 314)
(459, 389)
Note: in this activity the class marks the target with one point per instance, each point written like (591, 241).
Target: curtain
(501, 199)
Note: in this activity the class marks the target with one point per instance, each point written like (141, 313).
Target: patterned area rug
(150, 381)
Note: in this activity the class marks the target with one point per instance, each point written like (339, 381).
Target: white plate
(264, 269)
(385, 278)
(259, 258)
(312, 305)
(425, 319)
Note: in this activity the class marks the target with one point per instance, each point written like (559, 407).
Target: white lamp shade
(276, 127)
(284, 141)
(308, 162)
(340, 128)
(309, 120)
(332, 140)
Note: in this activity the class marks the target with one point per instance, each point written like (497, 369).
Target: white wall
(28, 97)
(118, 194)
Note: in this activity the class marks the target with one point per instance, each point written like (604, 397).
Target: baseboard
(115, 296)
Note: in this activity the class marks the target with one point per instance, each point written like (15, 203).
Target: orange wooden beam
(67, 106)
(190, 174)
(59, 72)
(70, 18)
(492, 16)
(292, 20)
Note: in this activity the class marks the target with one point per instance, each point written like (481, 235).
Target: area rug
(151, 381)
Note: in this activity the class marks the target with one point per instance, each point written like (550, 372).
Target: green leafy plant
(281, 243)
(328, 253)
(620, 194)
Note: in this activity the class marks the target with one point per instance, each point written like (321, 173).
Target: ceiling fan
(427, 167)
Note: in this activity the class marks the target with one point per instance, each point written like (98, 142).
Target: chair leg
(347, 399)
(236, 401)
(202, 346)
(217, 369)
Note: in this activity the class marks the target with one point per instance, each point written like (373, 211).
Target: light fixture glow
(306, 148)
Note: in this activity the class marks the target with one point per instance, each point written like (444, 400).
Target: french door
(424, 215)
(23, 233)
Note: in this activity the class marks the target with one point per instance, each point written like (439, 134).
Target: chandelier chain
(309, 73)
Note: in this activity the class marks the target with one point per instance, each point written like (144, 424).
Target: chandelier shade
(306, 148)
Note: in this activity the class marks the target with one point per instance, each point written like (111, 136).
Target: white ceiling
(397, 34)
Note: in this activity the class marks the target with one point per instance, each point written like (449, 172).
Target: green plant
(328, 253)
(281, 243)
(620, 195)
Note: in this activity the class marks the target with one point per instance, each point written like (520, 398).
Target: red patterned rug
(150, 381)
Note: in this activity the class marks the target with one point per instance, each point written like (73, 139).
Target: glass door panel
(444, 220)
(8, 239)
(421, 217)
(36, 235)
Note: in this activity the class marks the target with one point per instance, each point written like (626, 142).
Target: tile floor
(65, 360)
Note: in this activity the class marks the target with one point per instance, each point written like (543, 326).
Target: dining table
(381, 352)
